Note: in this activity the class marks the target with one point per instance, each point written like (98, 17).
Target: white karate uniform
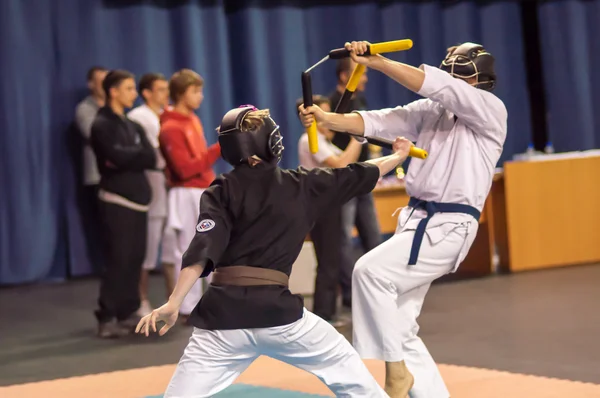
(213, 359)
(184, 210)
(157, 212)
(387, 293)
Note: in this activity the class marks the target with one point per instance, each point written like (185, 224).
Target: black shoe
(112, 330)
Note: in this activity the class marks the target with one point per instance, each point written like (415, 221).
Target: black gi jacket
(123, 153)
(260, 216)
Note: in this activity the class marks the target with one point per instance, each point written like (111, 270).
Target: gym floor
(534, 334)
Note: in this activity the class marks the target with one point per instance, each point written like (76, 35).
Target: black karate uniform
(259, 216)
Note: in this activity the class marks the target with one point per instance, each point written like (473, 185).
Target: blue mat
(248, 391)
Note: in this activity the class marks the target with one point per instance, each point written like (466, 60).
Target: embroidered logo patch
(205, 225)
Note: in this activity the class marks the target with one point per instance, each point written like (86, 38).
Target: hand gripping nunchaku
(342, 105)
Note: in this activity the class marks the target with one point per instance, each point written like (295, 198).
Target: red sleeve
(179, 159)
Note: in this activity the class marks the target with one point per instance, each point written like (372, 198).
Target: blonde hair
(181, 81)
(450, 50)
(253, 120)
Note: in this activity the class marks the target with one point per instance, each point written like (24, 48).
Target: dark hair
(114, 79)
(147, 81)
(181, 80)
(92, 71)
(343, 65)
(317, 100)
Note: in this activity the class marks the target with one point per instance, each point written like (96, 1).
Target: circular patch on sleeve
(205, 225)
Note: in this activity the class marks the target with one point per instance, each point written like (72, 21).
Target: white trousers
(387, 296)
(213, 359)
(156, 226)
(184, 210)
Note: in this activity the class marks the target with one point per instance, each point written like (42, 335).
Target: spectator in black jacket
(123, 153)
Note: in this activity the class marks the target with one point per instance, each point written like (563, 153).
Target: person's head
(95, 76)
(119, 87)
(250, 135)
(343, 71)
(185, 88)
(471, 63)
(323, 103)
(154, 89)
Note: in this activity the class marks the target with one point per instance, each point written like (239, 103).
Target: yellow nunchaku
(372, 49)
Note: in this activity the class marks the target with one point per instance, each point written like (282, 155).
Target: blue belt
(431, 208)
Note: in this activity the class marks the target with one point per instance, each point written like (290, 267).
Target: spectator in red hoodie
(189, 171)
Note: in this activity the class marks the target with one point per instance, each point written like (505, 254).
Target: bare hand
(167, 314)
(357, 48)
(310, 115)
(401, 146)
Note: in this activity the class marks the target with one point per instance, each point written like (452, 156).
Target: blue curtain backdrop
(248, 55)
(569, 34)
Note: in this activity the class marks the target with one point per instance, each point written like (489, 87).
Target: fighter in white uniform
(154, 88)
(463, 127)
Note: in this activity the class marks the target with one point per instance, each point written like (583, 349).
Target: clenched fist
(401, 146)
(310, 115)
(357, 48)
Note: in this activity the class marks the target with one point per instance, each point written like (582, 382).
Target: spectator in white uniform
(462, 125)
(154, 89)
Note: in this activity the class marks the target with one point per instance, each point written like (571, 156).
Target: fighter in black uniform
(252, 224)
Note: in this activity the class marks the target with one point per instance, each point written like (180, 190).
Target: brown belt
(243, 275)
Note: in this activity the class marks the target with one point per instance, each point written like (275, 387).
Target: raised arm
(327, 186)
(385, 123)
(388, 163)
(479, 109)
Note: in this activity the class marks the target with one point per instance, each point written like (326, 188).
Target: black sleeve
(212, 231)
(335, 186)
(148, 153)
(131, 157)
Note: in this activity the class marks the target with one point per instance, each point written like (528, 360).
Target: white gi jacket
(146, 117)
(463, 151)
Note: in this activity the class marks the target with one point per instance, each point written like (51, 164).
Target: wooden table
(552, 212)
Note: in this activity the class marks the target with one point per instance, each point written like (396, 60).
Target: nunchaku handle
(413, 152)
(344, 102)
(313, 143)
(375, 48)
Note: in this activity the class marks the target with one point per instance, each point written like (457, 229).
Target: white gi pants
(213, 359)
(184, 210)
(387, 296)
(156, 226)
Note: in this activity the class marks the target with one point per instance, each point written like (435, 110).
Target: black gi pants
(90, 215)
(327, 239)
(124, 236)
